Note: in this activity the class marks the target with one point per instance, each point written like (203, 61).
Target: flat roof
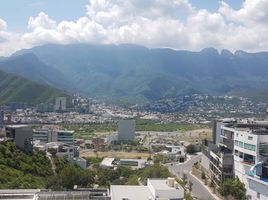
(253, 128)
(17, 126)
(130, 192)
(19, 191)
(131, 159)
(107, 162)
(161, 184)
(64, 131)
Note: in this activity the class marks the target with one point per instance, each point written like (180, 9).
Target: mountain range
(137, 74)
(16, 89)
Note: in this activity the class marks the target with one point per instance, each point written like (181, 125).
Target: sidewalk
(205, 186)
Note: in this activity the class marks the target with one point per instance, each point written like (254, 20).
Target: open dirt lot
(113, 154)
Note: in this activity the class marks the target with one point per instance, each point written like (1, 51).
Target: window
(258, 195)
(250, 147)
(241, 144)
(236, 143)
(250, 138)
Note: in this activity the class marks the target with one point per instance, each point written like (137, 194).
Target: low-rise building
(107, 163)
(69, 152)
(156, 189)
(54, 135)
(174, 153)
(134, 163)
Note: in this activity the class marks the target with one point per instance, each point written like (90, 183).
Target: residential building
(47, 135)
(156, 189)
(22, 135)
(240, 150)
(126, 130)
(69, 152)
(175, 153)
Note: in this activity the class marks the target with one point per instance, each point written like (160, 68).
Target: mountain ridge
(131, 71)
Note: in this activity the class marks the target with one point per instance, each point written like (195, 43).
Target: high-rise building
(126, 130)
(22, 135)
(60, 104)
(241, 152)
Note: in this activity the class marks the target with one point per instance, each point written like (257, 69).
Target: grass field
(113, 154)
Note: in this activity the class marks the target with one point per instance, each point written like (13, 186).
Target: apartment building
(239, 149)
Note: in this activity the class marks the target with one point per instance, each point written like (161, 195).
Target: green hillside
(21, 170)
(15, 89)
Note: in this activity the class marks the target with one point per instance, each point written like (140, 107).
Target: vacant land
(114, 154)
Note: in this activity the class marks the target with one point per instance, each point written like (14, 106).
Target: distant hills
(16, 89)
(135, 73)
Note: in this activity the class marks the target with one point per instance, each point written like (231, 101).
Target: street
(199, 191)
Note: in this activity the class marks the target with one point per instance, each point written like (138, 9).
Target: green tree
(234, 188)
(133, 180)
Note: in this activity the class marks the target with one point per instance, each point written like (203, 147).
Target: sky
(178, 24)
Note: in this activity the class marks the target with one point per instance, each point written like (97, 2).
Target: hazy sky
(178, 24)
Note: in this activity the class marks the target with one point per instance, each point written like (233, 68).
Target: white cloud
(252, 12)
(41, 21)
(3, 25)
(153, 23)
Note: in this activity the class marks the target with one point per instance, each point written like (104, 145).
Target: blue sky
(17, 12)
(177, 24)
(213, 5)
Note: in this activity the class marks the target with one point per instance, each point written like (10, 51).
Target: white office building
(47, 135)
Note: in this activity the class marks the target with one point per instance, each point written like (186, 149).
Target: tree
(190, 149)
(234, 188)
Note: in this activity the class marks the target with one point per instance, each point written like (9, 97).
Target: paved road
(180, 168)
(198, 189)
